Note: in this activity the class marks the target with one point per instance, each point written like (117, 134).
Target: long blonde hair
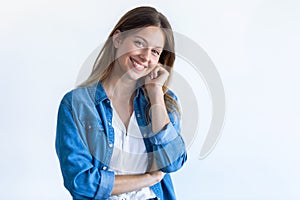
(136, 18)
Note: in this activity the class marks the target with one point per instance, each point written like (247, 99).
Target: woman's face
(138, 53)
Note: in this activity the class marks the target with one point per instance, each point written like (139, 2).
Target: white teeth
(138, 66)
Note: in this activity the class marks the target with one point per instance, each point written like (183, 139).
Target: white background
(254, 45)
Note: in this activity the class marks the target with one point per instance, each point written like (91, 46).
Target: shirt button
(90, 126)
(145, 134)
(109, 123)
(104, 168)
(110, 145)
(138, 115)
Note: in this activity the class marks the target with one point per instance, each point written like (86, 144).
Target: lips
(137, 65)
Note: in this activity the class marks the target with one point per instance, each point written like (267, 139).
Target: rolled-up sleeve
(81, 177)
(169, 149)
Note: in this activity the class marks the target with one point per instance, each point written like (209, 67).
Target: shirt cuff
(166, 135)
(106, 185)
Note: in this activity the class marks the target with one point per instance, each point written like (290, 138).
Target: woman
(118, 133)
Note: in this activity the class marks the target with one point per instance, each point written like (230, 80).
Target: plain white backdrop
(254, 45)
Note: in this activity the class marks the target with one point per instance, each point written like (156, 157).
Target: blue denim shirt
(85, 139)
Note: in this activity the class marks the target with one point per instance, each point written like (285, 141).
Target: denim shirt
(85, 140)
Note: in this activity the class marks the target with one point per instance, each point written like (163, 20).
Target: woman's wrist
(155, 93)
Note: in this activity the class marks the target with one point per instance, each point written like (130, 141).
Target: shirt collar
(100, 93)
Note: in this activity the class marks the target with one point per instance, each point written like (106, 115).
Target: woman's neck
(119, 87)
(121, 92)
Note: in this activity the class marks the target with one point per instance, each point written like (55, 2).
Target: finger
(155, 72)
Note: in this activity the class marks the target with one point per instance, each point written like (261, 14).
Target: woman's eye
(138, 43)
(155, 52)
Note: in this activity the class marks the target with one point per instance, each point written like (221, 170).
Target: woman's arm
(128, 183)
(153, 84)
(159, 114)
(81, 177)
(169, 153)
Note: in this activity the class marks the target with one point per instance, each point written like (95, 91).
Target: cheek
(125, 49)
(152, 66)
(122, 52)
(154, 61)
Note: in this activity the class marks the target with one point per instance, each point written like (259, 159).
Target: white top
(129, 155)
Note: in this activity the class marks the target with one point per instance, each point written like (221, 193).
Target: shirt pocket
(92, 125)
(94, 136)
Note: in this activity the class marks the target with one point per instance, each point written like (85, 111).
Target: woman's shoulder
(82, 94)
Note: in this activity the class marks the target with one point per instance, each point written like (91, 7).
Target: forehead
(154, 36)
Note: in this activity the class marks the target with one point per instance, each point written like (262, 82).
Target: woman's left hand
(156, 79)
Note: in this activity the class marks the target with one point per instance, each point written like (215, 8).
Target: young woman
(118, 133)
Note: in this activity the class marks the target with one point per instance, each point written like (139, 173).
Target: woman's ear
(117, 38)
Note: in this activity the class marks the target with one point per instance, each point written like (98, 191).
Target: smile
(136, 65)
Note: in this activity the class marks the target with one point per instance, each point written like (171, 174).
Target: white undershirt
(129, 155)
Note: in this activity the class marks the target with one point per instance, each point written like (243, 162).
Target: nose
(145, 54)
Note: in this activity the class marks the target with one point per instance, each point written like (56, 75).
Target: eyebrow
(138, 36)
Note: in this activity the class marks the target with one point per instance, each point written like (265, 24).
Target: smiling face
(138, 53)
